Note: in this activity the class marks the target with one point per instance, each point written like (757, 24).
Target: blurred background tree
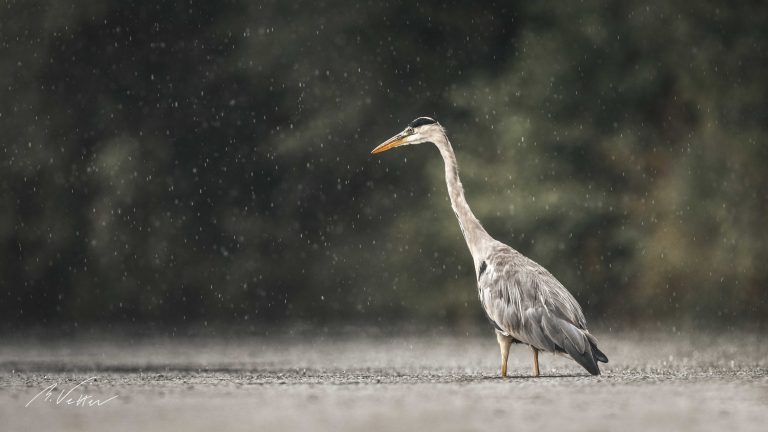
(208, 161)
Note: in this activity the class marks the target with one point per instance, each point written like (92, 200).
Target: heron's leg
(535, 362)
(504, 343)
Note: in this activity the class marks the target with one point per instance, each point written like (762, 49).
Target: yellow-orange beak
(391, 143)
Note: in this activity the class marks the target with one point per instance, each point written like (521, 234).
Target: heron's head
(421, 130)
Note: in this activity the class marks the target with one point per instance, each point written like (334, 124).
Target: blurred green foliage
(175, 161)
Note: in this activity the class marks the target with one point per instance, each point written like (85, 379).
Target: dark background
(208, 161)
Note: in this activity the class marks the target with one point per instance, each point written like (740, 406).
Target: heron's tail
(599, 356)
(575, 342)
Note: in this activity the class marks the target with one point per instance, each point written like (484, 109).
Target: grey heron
(523, 301)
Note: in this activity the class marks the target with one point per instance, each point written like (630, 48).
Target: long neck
(475, 235)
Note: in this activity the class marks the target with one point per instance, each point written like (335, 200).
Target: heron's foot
(504, 370)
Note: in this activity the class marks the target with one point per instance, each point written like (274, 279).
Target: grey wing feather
(526, 302)
(573, 341)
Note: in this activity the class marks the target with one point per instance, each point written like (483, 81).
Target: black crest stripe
(421, 121)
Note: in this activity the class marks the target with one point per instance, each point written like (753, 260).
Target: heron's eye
(409, 131)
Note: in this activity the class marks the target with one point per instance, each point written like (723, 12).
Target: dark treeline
(208, 160)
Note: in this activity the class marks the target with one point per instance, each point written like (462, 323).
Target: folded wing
(525, 301)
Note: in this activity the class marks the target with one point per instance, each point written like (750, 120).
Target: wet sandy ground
(382, 382)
